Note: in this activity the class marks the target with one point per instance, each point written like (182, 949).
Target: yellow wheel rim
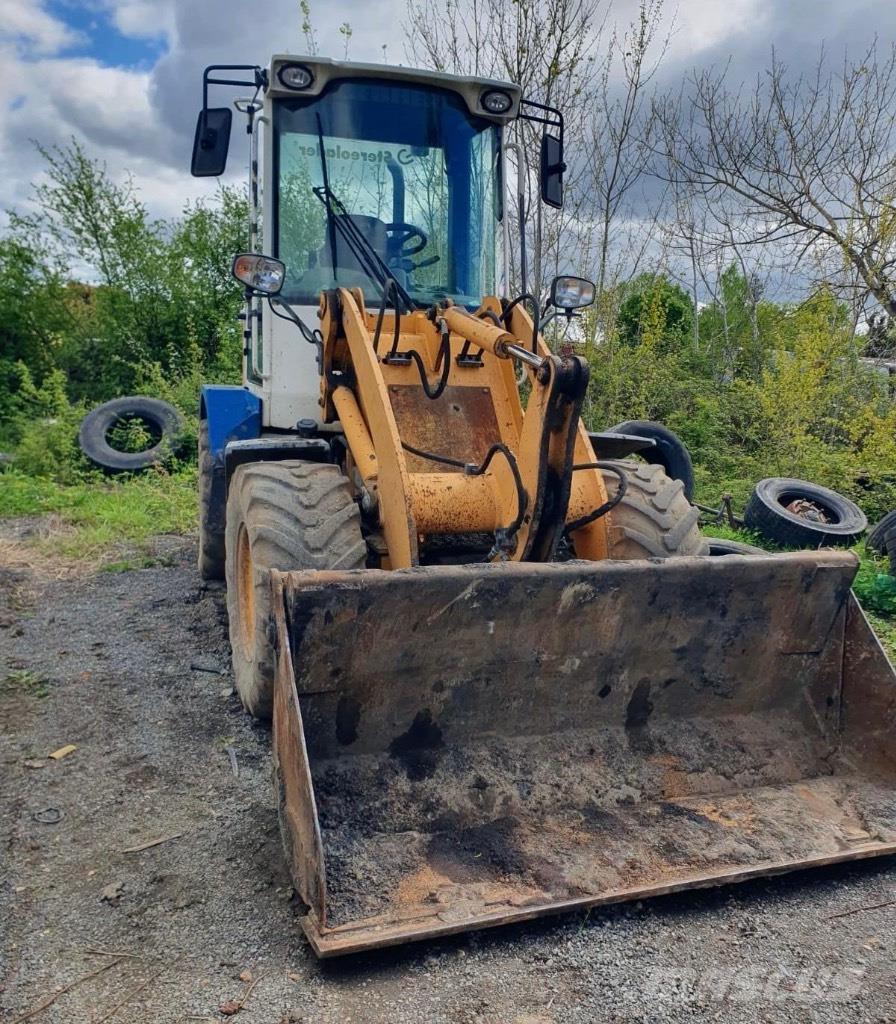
(245, 591)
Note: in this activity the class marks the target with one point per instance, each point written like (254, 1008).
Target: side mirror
(569, 293)
(259, 273)
(211, 142)
(551, 170)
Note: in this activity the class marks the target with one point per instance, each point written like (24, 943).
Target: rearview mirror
(260, 273)
(569, 293)
(211, 142)
(551, 170)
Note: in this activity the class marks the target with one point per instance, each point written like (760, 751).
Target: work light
(295, 76)
(496, 102)
(569, 293)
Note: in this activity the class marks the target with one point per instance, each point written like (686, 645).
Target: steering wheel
(405, 240)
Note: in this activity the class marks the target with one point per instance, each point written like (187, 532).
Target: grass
(23, 681)
(95, 518)
(97, 515)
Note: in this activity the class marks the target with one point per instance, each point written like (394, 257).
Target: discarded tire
(877, 538)
(882, 539)
(669, 451)
(723, 546)
(163, 420)
(798, 514)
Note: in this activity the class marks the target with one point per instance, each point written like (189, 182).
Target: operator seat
(372, 228)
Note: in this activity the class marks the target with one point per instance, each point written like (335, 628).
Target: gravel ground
(132, 668)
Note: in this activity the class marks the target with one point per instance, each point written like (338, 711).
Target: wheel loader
(506, 679)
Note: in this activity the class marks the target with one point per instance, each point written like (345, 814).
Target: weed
(21, 680)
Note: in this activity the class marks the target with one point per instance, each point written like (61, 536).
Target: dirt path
(132, 668)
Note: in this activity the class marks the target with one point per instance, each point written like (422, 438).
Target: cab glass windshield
(414, 172)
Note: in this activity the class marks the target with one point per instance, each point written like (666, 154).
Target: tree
(655, 313)
(620, 130)
(550, 49)
(733, 327)
(805, 163)
(157, 292)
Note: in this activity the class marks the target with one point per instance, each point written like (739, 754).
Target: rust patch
(422, 886)
(460, 424)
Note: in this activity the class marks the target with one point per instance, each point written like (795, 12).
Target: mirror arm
(259, 79)
(542, 113)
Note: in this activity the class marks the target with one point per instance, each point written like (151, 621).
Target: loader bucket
(460, 747)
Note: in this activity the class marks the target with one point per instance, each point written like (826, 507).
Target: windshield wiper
(331, 220)
(357, 242)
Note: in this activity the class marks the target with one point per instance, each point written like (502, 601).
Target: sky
(124, 76)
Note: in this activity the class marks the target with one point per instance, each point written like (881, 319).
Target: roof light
(496, 102)
(295, 76)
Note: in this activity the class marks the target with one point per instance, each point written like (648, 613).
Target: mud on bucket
(463, 746)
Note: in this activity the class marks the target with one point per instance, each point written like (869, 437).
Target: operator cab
(410, 169)
(389, 180)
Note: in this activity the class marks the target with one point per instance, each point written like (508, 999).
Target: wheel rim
(245, 591)
(810, 510)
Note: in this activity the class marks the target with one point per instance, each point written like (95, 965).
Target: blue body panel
(233, 414)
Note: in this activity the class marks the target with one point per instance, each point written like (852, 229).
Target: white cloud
(142, 121)
(107, 109)
(700, 25)
(31, 30)
(142, 19)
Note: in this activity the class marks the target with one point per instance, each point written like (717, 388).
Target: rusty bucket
(460, 747)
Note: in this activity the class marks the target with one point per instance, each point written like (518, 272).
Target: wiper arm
(331, 220)
(361, 247)
(354, 238)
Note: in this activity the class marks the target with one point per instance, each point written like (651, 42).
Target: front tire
(280, 515)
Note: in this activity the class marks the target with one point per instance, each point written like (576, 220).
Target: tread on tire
(280, 515)
(654, 518)
(211, 512)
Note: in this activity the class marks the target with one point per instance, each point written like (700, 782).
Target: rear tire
(211, 511)
(669, 451)
(280, 515)
(654, 518)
